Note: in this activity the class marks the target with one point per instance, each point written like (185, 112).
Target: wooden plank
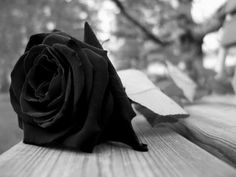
(169, 155)
(212, 125)
(219, 99)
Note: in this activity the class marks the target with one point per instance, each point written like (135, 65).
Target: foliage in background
(168, 25)
(166, 30)
(145, 32)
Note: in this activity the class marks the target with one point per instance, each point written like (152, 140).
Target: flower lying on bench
(67, 93)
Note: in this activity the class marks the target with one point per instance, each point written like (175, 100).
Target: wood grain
(170, 155)
(229, 100)
(212, 125)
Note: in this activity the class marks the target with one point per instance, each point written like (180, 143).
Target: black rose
(67, 93)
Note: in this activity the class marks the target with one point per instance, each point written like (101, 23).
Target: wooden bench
(200, 146)
(212, 126)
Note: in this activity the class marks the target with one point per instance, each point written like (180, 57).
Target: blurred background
(140, 34)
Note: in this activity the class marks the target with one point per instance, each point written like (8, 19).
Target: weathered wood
(229, 100)
(169, 155)
(212, 125)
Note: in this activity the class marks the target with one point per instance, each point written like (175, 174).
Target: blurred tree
(150, 29)
(169, 25)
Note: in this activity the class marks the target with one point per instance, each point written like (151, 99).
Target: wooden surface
(208, 151)
(212, 125)
(170, 155)
(229, 100)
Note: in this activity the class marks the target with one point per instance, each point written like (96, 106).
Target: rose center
(45, 70)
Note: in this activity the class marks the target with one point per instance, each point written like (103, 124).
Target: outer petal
(35, 40)
(16, 106)
(32, 56)
(87, 68)
(90, 37)
(77, 71)
(18, 77)
(90, 133)
(56, 38)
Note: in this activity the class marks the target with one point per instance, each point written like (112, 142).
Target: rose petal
(33, 109)
(15, 104)
(29, 93)
(32, 55)
(91, 128)
(77, 72)
(35, 89)
(43, 113)
(60, 115)
(87, 67)
(18, 77)
(41, 136)
(90, 38)
(55, 101)
(87, 46)
(50, 51)
(40, 115)
(55, 38)
(49, 64)
(41, 91)
(35, 40)
(53, 66)
(38, 75)
(56, 85)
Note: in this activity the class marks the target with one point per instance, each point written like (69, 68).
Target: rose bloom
(67, 93)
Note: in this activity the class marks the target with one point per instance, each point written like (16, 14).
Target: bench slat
(169, 155)
(212, 125)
